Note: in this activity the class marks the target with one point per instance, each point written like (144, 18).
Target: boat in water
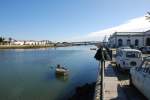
(61, 70)
(93, 49)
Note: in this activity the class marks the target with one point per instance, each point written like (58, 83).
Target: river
(29, 74)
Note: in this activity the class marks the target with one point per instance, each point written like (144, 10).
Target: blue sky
(63, 20)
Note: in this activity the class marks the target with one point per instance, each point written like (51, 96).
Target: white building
(31, 42)
(20, 42)
(134, 39)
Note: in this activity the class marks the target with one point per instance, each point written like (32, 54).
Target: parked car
(124, 47)
(145, 49)
(127, 58)
(140, 77)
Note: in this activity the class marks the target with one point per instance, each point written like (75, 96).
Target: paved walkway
(110, 83)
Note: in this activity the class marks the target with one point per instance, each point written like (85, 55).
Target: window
(146, 64)
(128, 42)
(120, 42)
(133, 55)
(148, 42)
(146, 67)
(119, 53)
(136, 42)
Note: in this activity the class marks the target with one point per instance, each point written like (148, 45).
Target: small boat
(61, 70)
(92, 48)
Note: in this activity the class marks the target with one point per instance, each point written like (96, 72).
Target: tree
(10, 39)
(1, 40)
(148, 16)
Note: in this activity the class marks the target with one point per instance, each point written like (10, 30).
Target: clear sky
(61, 20)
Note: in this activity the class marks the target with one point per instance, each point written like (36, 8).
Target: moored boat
(61, 70)
(92, 48)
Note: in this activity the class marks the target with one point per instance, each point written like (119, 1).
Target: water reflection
(63, 78)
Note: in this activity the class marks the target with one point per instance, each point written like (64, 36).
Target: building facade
(134, 39)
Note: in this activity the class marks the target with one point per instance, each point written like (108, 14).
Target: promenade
(110, 83)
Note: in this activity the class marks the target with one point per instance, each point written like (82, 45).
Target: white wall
(114, 40)
(132, 39)
(18, 43)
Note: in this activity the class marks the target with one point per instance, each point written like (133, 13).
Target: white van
(140, 77)
(127, 58)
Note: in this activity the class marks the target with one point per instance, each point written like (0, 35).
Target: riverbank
(24, 46)
(27, 46)
(33, 46)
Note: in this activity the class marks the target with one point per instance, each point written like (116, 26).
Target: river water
(29, 74)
